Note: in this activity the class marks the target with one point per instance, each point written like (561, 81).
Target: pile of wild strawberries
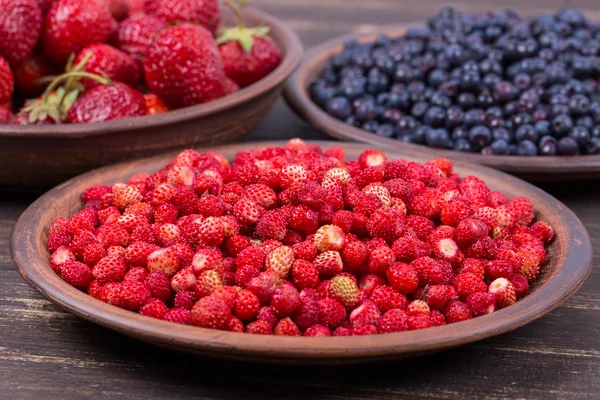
(295, 240)
(86, 61)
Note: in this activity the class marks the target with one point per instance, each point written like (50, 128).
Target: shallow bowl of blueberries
(520, 94)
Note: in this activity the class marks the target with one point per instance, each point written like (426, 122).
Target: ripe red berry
(456, 311)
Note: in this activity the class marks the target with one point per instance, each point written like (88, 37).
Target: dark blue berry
(339, 107)
(526, 132)
(499, 147)
(527, 148)
(480, 136)
(567, 146)
(371, 126)
(581, 134)
(561, 125)
(463, 145)
(593, 146)
(385, 130)
(434, 116)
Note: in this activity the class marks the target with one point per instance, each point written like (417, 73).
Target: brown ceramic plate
(48, 154)
(556, 168)
(569, 264)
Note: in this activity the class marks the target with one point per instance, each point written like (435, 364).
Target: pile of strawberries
(86, 61)
(295, 240)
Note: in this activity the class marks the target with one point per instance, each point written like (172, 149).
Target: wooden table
(47, 353)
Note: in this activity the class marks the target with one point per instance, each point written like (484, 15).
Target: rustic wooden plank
(45, 352)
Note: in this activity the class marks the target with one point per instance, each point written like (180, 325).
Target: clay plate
(49, 154)
(556, 168)
(569, 264)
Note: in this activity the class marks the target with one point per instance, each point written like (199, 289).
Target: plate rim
(275, 349)
(296, 96)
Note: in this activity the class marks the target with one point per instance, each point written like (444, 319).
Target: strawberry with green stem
(248, 53)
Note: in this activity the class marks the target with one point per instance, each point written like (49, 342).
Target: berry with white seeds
(380, 259)
(481, 303)
(522, 208)
(403, 277)
(246, 306)
(469, 231)
(344, 290)
(167, 234)
(447, 249)
(329, 263)
(504, 292)
(212, 231)
(305, 275)
(329, 238)
(286, 300)
(163, 260)
(338, 173)
(111, 268)
(418, 307)
(456, 311)
(76, 274)
(59, 257)
(543, 231)
(371, 158)
(207, 282)
(264, 286)
(366, 313)
(317, 330)
(207, 259)
(394, 320)
(262, 195)
(247, 211)
(128, 196)
(184, 280)
(290, 175)
(380, 191)
(280, 261)
(210, 312)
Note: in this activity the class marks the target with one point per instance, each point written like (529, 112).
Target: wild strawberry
(481, 303)
(94, 289)
(262, 195)
(286, 327)
(429, 270)
(328, 263)
(304, 219)
(420, 225)
(280, 261)
(466, 284)
(344, 290)
(247, 211)
(20, 25)
(179, 316)
(366, 313)
(154, 309)
(194, 46)
(392, 321)
(159, 285)
(522, 208)
(163, 260)
(235, 325)
(110, 268)
(469, 231)
(264, 285)
(286, 300)
(484, 248)
(418, 308)
(367, 283)
(305, 275)
(211, 231)
(104, 60)
(331, 313)
(498, 269)
(291, 174)
(454, 212)
(135, 35)
(184, 280)
(271, 225)
(371, 158)
(387, 298)
(210, 206)
(76, 274)
(504, 292)
(363, 329)
(329, 237)
(228, 294)
(408, 249)
(210, 312)
(136, 274)
(246, 306)
(521, 285)
(59, 257)
(341, 331)
(203, 12)
(437, 296)
(380, 259)
(185, 299)
(78, 244)
(259, 328)
(543, 231)
(456, 311)
(206, 283)
(317, 330)
(447, 249)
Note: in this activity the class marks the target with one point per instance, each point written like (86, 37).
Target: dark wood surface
(47, 353)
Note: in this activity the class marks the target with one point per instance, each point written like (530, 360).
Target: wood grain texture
(49, 154)
(555, 357)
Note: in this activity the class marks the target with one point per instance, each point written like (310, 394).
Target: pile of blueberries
(493, 83)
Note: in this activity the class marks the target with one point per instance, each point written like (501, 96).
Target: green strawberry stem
(240, 33)
(75, 74)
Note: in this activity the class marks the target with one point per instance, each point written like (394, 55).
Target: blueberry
(419, 109)
(371, 126)
(455, 54)
(581, 134)
(595, 132)
(385, 130)
(480, 136)
(579, 104)
(502, 134)
(434, 116)
(504, 91)
(460, 132)
(561, 125)
(437, 138)
(547, 148)
(567, 146)
(499, 147)
(454, 117)
(522, 81)
(392, 116)
(527, 148)
(526, 132)
(385, 64)
(585, 121)
(469, 80)
(593, 146)
(437, 77)
(529, 100)
(404, 73)
(407, 123)
(321, 93)
(339, 107)
(420, 134)
(377, 81)
(440, 99)
(466, 100)
(542, 127)
(363, 110)
(463, 145)
(450, 87)
(474, 117)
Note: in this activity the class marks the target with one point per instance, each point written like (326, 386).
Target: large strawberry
(248, 53)
(7, 82)
(20, 25)
(203, 12)
(71, 25)
(183, 66)
(107, 103)
(136, 34)
(107, 61)
(29, 72)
